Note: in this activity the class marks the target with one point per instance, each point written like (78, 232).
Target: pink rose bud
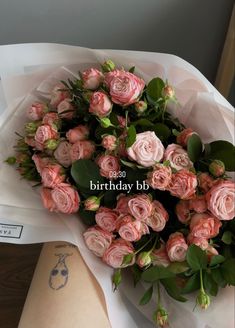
(58, 94)
(125, 88)
(160, 177)
(51, 144)
(44, 133)
(92, 203)
(109, 142)
(140, 107)
(183, 184)
(109, 166)
(52, 175)
(205, 181)
(52, 119)
(176, 247)
(47, 200)
(168, 92)
(130, 229)
(221, 200)
(204, 225)
(82, 150)
(198, 204)
(116, 253)
(66, 198)
(105, 122)
(97, 240)
(106, 218)
(81, 132)
(36, 111)
(160, 257)
(199, 241)
(178, 157)
(92, 78)
(62, 153)
(143, 259)
(65, 109)
(161, 317)
(182, 210)
(108, 66)
(122, 204)
(100, 105)
(183, 137)
(141, 207)
(203, 300)
(158, 217)
(122, 121)
(147, 149)
(40, 162)
(217, 168)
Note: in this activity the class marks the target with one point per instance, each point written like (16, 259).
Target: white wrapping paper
(28, 72)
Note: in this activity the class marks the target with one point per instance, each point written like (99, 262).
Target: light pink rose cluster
(160, 177)
(125, 88)
(79, 133)
(183, 184)
(109, 166)
(58, 94)
(147, 149)
(92, 78)
(100, 105)
(36, 111)
(109, 142)
(176, 247)
(178, 157)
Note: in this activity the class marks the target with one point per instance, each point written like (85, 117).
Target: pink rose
(211, 251)
(44, 133)
(205, 181)
(36, 111)
(114, 255)
(125, 88)
(81, 132)
(100, 105)
(183, 137)
(66, 198)
(58, 94)
(183, 184)
(160, 177)
(106, 218)
(62, 153)
(97, 240)
(122, 121)
(40, 162)
(160, 257)
(52, 175)
(204, 226)
(158, 218)
(82, 150)
(109, 166)
(176, 247)
(140, 206)
(221, 200)
(177, 157)
(92, 78)
(122, 204)
(65, 109)
(51, 119)
(182, 210)
(199, 241)
(109, 142)
(147, 149)
(47, 200)
(130, 229)
(92, 203)
(198, 204)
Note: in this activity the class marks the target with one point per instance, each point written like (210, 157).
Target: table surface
(17, 264)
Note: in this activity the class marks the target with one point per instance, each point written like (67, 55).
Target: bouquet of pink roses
(156, 200)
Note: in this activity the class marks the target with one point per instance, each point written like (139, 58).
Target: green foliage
(193, 283)
(88, 217)
(131, 136)
(194, 147)
(147, 296)
(228, 271)
(223, 151)
(196, 258)
(154, 89)
(227, 237)
(172, 289)
(155, 273)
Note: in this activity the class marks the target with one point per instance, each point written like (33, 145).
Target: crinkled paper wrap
(28, 72)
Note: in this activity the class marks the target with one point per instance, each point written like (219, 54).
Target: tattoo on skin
(59, 274)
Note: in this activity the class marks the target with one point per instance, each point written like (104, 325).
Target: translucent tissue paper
(28, 72)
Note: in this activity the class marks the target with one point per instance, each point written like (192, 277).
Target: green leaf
(209, 284)
(147, 296)
(227, 237)
(143, 122)
(113, 118)
(127, 259)
(228, 271)
(131, 136)
(84, 172)
(178, 267)
(154, 88)
(117, 279)
(88, 217)
(196, 258)
(155, 273)
(175, 132)
(110, 198)
(194, 147)
(172, 289)
(225, 152)
(217, 259)
(192, 284)
(136, 273)
(132, 69)
(162, 131)
(218, 277)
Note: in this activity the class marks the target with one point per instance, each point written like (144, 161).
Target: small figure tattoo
(59, 273)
